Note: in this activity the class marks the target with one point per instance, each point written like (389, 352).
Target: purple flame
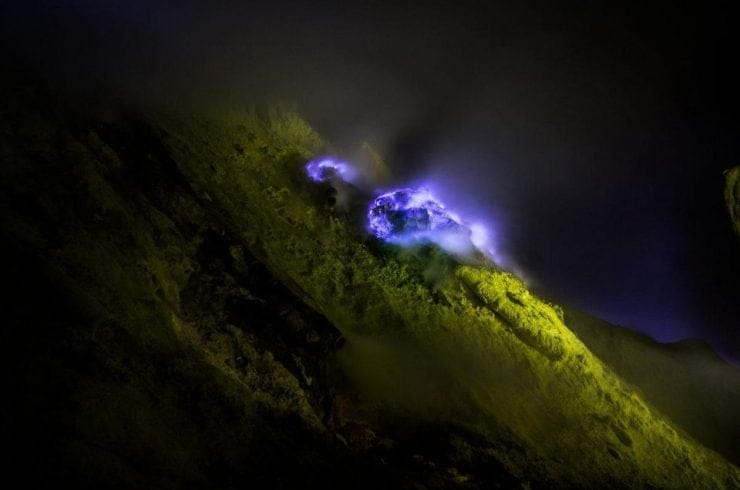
(409, 216)
(326, 169)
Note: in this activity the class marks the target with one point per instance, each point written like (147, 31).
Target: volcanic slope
(130, 219)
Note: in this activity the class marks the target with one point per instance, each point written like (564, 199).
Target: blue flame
(407, 212)
(327, 169)
(410, 216)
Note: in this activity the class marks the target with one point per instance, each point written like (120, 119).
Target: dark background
(591, 138)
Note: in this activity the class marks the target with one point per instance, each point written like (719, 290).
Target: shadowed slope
(685, 380)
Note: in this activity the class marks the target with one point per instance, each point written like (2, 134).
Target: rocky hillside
(732, 196)
(186, 310)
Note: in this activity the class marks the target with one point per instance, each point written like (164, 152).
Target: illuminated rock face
(410, 215)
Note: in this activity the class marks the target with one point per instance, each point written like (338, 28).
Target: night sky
(591, 139)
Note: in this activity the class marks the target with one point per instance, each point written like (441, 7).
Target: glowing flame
(408, 216)
(327, 169)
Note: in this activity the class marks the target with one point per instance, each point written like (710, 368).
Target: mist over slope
(207, 320)
(593, 136)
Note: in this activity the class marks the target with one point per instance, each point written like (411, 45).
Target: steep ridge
(211, 322)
